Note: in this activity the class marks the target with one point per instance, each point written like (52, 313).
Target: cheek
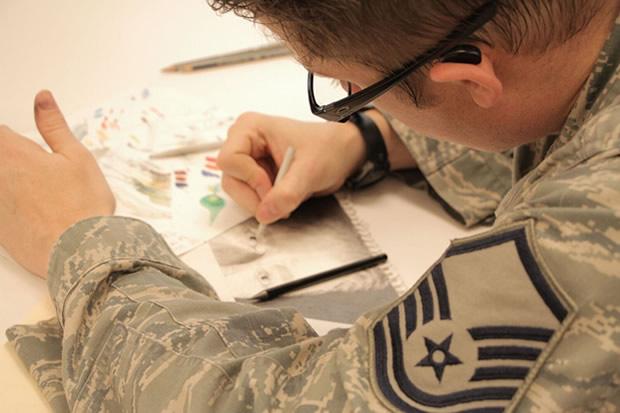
(427, 121)
(440, 122)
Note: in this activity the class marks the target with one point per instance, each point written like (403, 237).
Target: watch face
(367, 175)
(366, 169)
(375, 175)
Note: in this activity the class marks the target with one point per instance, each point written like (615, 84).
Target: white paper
(123, 132)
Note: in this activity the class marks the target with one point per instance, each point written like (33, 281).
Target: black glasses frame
(341, 110)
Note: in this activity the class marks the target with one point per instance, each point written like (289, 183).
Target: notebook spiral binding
(344, 199)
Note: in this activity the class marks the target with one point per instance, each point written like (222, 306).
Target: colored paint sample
(209, 174)
(180, 178)
(210, 163)
(102, 136)
(114, 124)
(135, 141)
(152, 182)
(80, 131)
(157, 112)
(214, 204)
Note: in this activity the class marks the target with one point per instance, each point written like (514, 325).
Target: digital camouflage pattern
(471, 182)
(524, 317)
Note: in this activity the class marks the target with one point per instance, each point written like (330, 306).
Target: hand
(326, 155)
(42, 193)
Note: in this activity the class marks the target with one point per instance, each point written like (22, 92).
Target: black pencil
(360, 265)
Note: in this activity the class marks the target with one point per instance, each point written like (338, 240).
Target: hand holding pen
(326, 154)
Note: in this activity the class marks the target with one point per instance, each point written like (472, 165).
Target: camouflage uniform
(524, 317)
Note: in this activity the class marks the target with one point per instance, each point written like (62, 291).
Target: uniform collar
(600, 88)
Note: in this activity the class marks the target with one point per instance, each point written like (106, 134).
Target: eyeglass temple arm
(355, 102)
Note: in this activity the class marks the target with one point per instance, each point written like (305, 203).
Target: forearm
(143, 332)
(90, 261)
(169, 347)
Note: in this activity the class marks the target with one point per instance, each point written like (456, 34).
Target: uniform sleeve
(523, 317)
(468, 183)
(140, 331)
(576, 221)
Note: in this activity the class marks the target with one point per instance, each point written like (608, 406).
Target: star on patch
(439, 356)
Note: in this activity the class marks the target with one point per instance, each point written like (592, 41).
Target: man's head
(520, 91)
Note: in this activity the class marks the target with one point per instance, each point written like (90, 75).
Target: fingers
(242, 158)
(285, 197)
(241, 193)
(52, 125)
(247, 170)
(255, 144)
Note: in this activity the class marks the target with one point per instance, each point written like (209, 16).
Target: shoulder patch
(472, 332)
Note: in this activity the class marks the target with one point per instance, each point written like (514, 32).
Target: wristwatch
(376, 166)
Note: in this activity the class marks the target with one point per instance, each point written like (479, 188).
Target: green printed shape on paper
(214, 204)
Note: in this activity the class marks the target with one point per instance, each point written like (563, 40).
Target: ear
(479, 80)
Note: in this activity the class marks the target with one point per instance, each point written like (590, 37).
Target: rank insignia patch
(470, 333)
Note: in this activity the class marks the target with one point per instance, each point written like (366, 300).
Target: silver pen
(284, 167)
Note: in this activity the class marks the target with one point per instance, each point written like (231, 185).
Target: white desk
(89, 51)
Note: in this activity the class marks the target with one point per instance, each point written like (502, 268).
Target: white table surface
(87, 51)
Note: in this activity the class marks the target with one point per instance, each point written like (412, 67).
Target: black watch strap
(377, 166)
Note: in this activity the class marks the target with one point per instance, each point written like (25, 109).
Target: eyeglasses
(341, 110)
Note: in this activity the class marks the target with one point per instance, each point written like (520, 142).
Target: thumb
(51, 123)
(284, 197)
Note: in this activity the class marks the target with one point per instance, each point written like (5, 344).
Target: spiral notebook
(324, 233)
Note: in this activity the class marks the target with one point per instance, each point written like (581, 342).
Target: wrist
(399, 155)
(354, 148)
(376, 165)
(49, 240)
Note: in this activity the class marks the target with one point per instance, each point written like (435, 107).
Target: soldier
(523, 317)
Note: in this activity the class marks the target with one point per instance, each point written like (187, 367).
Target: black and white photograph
(317, 237)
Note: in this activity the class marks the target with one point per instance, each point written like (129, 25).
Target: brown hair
(385, 34)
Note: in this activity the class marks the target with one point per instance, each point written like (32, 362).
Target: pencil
(243, 56)
(347, 269)
(284, 167)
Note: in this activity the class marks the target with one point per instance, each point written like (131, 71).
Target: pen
(248, 55)
(360, 265)
(284, 167)
(187, 150)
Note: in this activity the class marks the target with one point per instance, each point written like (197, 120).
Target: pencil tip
(169, 69)
(260, 296)
(258, 234)
(256, 297)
